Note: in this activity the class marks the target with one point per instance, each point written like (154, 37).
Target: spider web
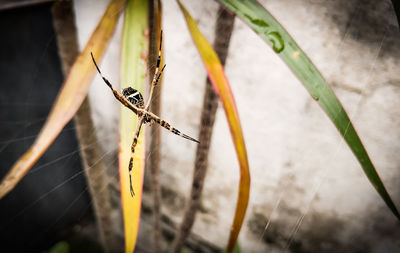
(61, 164)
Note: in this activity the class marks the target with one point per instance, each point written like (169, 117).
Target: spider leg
(173, 130)
(154, 82)
(157, 74)
(117, 95)
(157, 78)
(133, 146)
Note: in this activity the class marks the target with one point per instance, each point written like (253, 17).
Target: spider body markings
(133, 100)
(134, 96)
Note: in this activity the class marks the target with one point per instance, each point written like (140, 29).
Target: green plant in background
(269, 29)
(236, 249)
(60, 247)
(77, 243)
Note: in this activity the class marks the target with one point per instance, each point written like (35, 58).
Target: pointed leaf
(71, 96)
(133, 71)
(396, 6)
(268, 28)
(221, 86)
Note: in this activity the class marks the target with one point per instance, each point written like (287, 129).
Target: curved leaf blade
(133, 72)
(396, 6)
(70, 97)
(222, 88)
(269, 29)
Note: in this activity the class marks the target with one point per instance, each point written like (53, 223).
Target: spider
(134, 101)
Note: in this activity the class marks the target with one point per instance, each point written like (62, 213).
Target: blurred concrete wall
(306, 184)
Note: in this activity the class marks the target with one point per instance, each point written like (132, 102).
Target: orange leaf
(71, 96)
(221, 86)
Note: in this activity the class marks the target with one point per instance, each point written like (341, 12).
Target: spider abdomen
(134, 96)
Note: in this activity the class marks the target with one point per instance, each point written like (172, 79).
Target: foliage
(133, 71)
(222, 89)
(269, 29)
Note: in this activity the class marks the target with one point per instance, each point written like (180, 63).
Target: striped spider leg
(133, 100)
(153, 118)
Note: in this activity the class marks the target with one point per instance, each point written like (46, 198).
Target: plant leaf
(268, 28)
(133, 71)
(221, 86)
(60, 247)
(396, 6)
(70, 97)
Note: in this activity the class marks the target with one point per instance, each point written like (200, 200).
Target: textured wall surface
(306, 184)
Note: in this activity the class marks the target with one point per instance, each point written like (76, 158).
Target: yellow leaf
(221, 86)
(70, 97)
(133, 71)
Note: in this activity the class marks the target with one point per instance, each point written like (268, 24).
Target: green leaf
(133, 72)
(236, 249)
(60, 247)
(268, 28)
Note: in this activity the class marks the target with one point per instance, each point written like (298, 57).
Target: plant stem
(154, 161)
(88, 144)
(223, 33)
